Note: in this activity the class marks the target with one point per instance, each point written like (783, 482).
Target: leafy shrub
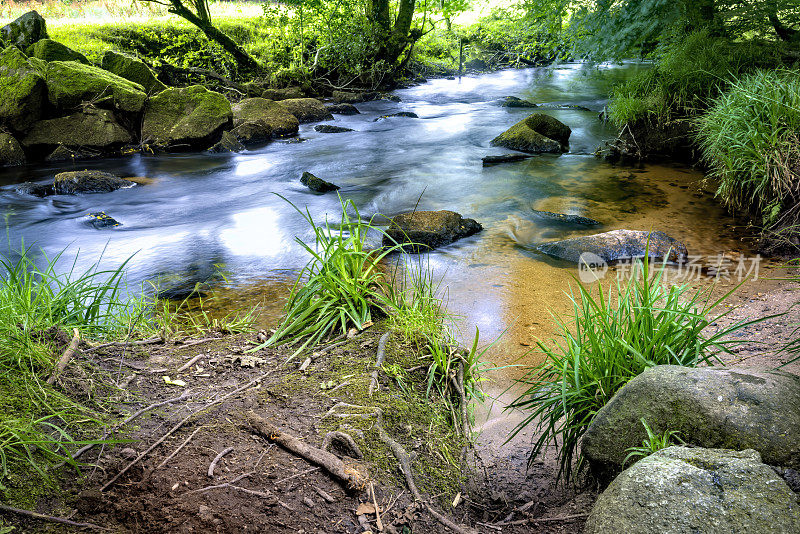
(750, 139)
(608, 341)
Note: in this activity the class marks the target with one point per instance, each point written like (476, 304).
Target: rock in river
(421, 231)
(257, 120)
(405, 114)
(185, 118)
(99, 130)
(307, 109)
(564, 218)
(227, 143)
(618, 245)
(73, 182)
(488, 161)
(11, 152)
(100, 220)
(329, 128)
(514, 102)
(25, 30)
(536, 133)
(681, 490)
(318, 185)
(282, 94)
(343, 109)
(711, 407)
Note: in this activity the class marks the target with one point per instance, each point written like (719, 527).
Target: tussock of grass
(609, 339)
(750, 139)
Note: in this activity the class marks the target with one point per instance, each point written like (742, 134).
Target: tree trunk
(380, 14)
(784, 32)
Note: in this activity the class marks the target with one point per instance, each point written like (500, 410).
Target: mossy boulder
(95, 129)
(227, 143)
(25, 30)
(617, 245)
(536, 133)
(70, 83)
(318, 185)
(132, 69)
(49, 50)
(343, 109)
(684, 490)
(307, 109)
(11, 152)
(185, 118)
(75, 182)
(23, 90)
(256, 120)
(709, 406)
(283, 94)
(420, 231)
(514, 102)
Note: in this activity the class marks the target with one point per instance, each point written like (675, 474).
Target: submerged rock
(618, 245)
(565, 218)
(186, 118)
(257, 120)
(307, 109)
(49, 50)
(684, 490)
(283, 94)
(318, 185)
(25, 30)
(343, 109)
(62, 153)
(421, 231)
(132, 69)
(504, 158)
(406, 114)
(514, 102)
(32, 188)
(91, 129)
(329, 128)
(100, 220)
(536, 133)
(227, 143)
(23, 90)
(74, 182)
(711, 407)
(70, 84)
(11, 153)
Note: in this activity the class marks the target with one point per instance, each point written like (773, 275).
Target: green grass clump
(652, 443)
(750, 139)
(687, 77)
(610, 339)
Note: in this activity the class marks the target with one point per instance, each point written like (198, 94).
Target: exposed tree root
(345, 474)
(373, 386)
(49, 518)
(345, 441)
(66, 357)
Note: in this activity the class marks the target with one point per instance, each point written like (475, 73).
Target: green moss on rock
(306, 109)
(258, 119)
(98, 129)
(22, 88)
(186, 118)
(536, 133)
(49, 50)
(132, 69)
(25, 30)
(70, 83)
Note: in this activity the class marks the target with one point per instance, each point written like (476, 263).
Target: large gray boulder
(70, 83)
(534, 134)
(307, 109)
(49, 50)
(25, 30)
(421, 231)
(22, 88)
(11, 152)
(710, 407)
(617, 245)
(256, 120)
(682, 490)
(186, 118)
(95, 129)
(74, 182)
(132, 69)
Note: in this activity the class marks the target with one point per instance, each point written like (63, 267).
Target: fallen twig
(50, 518)
(300, 474)
(180, 424)
(351, 477)
(150, 341)
(216, 460)
(377, 508)
(188, 364)
(197, 341)
(176, 451)
(66, 357)
(373, 385)
(327, 497)
(130, 418)
(544, 519)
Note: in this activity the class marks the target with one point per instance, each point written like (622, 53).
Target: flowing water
(205, 211)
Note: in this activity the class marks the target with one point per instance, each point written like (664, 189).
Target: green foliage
(687, 77)
(608, 341)
(750, 139)
(652, 443)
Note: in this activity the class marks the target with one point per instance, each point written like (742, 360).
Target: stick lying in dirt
(85, 448)
(151, 341)
(50, 518)
(176, 451)
(188, 364)
(333, 465)
(183, 422)
(216, 460)
(373, 385)
(66, 357)
(544, 519)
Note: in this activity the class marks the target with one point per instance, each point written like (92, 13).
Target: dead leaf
(365, 508)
